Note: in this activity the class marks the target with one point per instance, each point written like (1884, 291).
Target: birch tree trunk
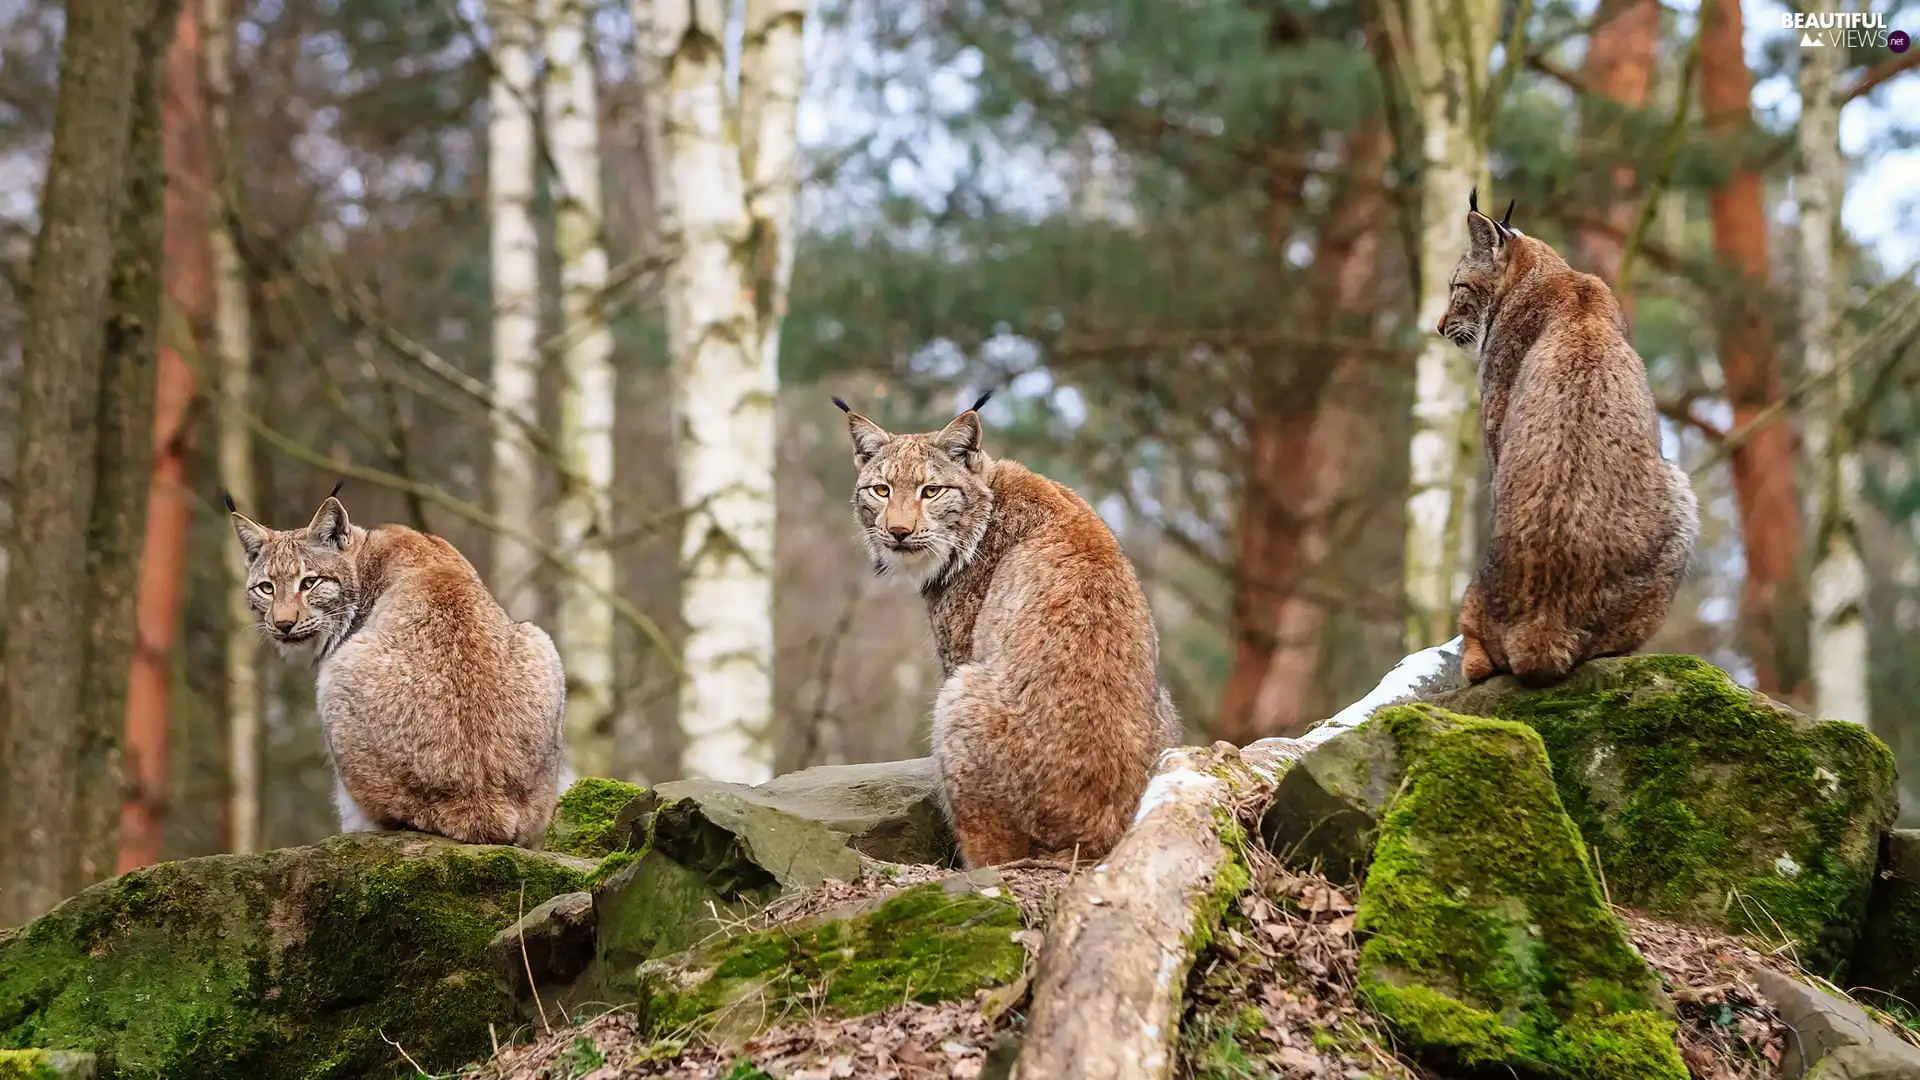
(233, 363)
(1837, 590)
(725, 297)
(187, 306)
(1442, 50)
(1765, 491)
(582, 518)
(515, 276)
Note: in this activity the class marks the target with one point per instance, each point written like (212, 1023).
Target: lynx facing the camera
(441, 714)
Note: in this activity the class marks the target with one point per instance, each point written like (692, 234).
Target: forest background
(571, 283)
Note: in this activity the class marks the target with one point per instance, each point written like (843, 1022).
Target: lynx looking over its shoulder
(441, 714)
(1051, 714)
(1592, 527)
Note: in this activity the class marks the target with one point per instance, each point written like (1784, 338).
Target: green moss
(1487, 939)
(583, 823)
(38, 1065)
(1711, 802)
(286, 964)
(922, 944)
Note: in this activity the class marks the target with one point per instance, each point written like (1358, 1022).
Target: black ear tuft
(975, 407)
(227, 497)
(1473, 198)
(1507, 222)
(337, 485)
(844, 407)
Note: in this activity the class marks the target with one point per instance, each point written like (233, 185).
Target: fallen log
(1107, 996)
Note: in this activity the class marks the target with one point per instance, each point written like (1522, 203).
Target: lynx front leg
(1475, 663)
(966, 715)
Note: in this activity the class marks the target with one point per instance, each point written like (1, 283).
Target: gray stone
(554, 943)
(1327, 806)
(890, 810)
(1888, 957)
(1824, 1025)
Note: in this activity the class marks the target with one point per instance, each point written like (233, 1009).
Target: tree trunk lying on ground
(1107, 995)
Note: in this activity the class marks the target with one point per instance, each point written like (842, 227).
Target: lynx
(440, 714)
(1050, 715)
(1592, 528)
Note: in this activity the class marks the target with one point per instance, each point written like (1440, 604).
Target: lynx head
(302, 584)
(1477, 277)
(922, 501)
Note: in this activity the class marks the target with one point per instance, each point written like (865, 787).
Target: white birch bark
(583, 516)
(515, 276)
(233, 360)
(1838, 582)
(1444, 49)
(726, 293)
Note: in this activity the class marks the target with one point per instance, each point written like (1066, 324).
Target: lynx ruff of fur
(1592, 528)
(1050, 715)
(441, 714)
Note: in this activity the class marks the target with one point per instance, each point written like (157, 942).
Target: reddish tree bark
(188, 305)
(1620, 69)
(1297, 452)
(1763, 478)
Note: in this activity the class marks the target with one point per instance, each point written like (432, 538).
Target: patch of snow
(1164, 786)
(1786, 866)
(1408, 677)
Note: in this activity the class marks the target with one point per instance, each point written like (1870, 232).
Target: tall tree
(1442, 51)
(583, 518)
(1619, 75)
(1763, 458)
(725, 298)
(1837, 586)
(511, 170)
(233, 361)
(85, 398)
(187, 307)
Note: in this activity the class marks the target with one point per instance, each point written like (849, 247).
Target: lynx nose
(283, 625)
(1442, 328)
(899, 532)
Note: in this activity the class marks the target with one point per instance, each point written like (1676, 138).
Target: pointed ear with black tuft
(329, 525)
(253, 536)
(960, 440)
(868, 437)
(1473, 199)
(337, 485)
(984, 398)
(1483, 233)
(227, 497)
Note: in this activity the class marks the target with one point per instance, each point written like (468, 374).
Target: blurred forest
(1194, 248)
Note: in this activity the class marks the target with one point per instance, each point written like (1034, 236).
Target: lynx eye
(931, 490)
(881, 490)
(307, 584)
(264, 588)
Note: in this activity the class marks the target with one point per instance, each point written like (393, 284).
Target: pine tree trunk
(1296, 475)
(511, 169)
(583, 517)
(1763, 466)
(186, 307)
(1620, 59)
(233, 360)
(724, 379)
(1442, 49)
(1837, 588)
(84, 400)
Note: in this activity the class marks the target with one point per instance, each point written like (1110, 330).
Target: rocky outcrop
(1709, 802)
(297, 963)
(1834, 1038)
(1888, 957)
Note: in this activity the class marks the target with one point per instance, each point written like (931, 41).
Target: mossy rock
(1711, 802)
(46, 1065)
(929, 943)
(888, 810)
(1888, 957)
(1327, 805)
(584, 822)
(290, 963)
(1487, 941)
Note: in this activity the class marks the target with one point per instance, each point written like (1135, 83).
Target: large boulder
(1833, 1037)
(1888, 957)
(928, 943)
(1488, 944)
(300, 963)
(1708, 801)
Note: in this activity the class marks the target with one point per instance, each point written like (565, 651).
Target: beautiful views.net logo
(1847, 29)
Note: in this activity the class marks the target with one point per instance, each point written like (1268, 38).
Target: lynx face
(1475, 284)
(301, 584)
(922, 501)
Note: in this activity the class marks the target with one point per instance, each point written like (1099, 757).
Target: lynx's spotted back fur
(1050, 716)
(1592, 527)
(440, 713)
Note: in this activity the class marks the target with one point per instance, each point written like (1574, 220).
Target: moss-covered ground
(1709, 801)
(298, 964)
(1487, 940)
(583, 823)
